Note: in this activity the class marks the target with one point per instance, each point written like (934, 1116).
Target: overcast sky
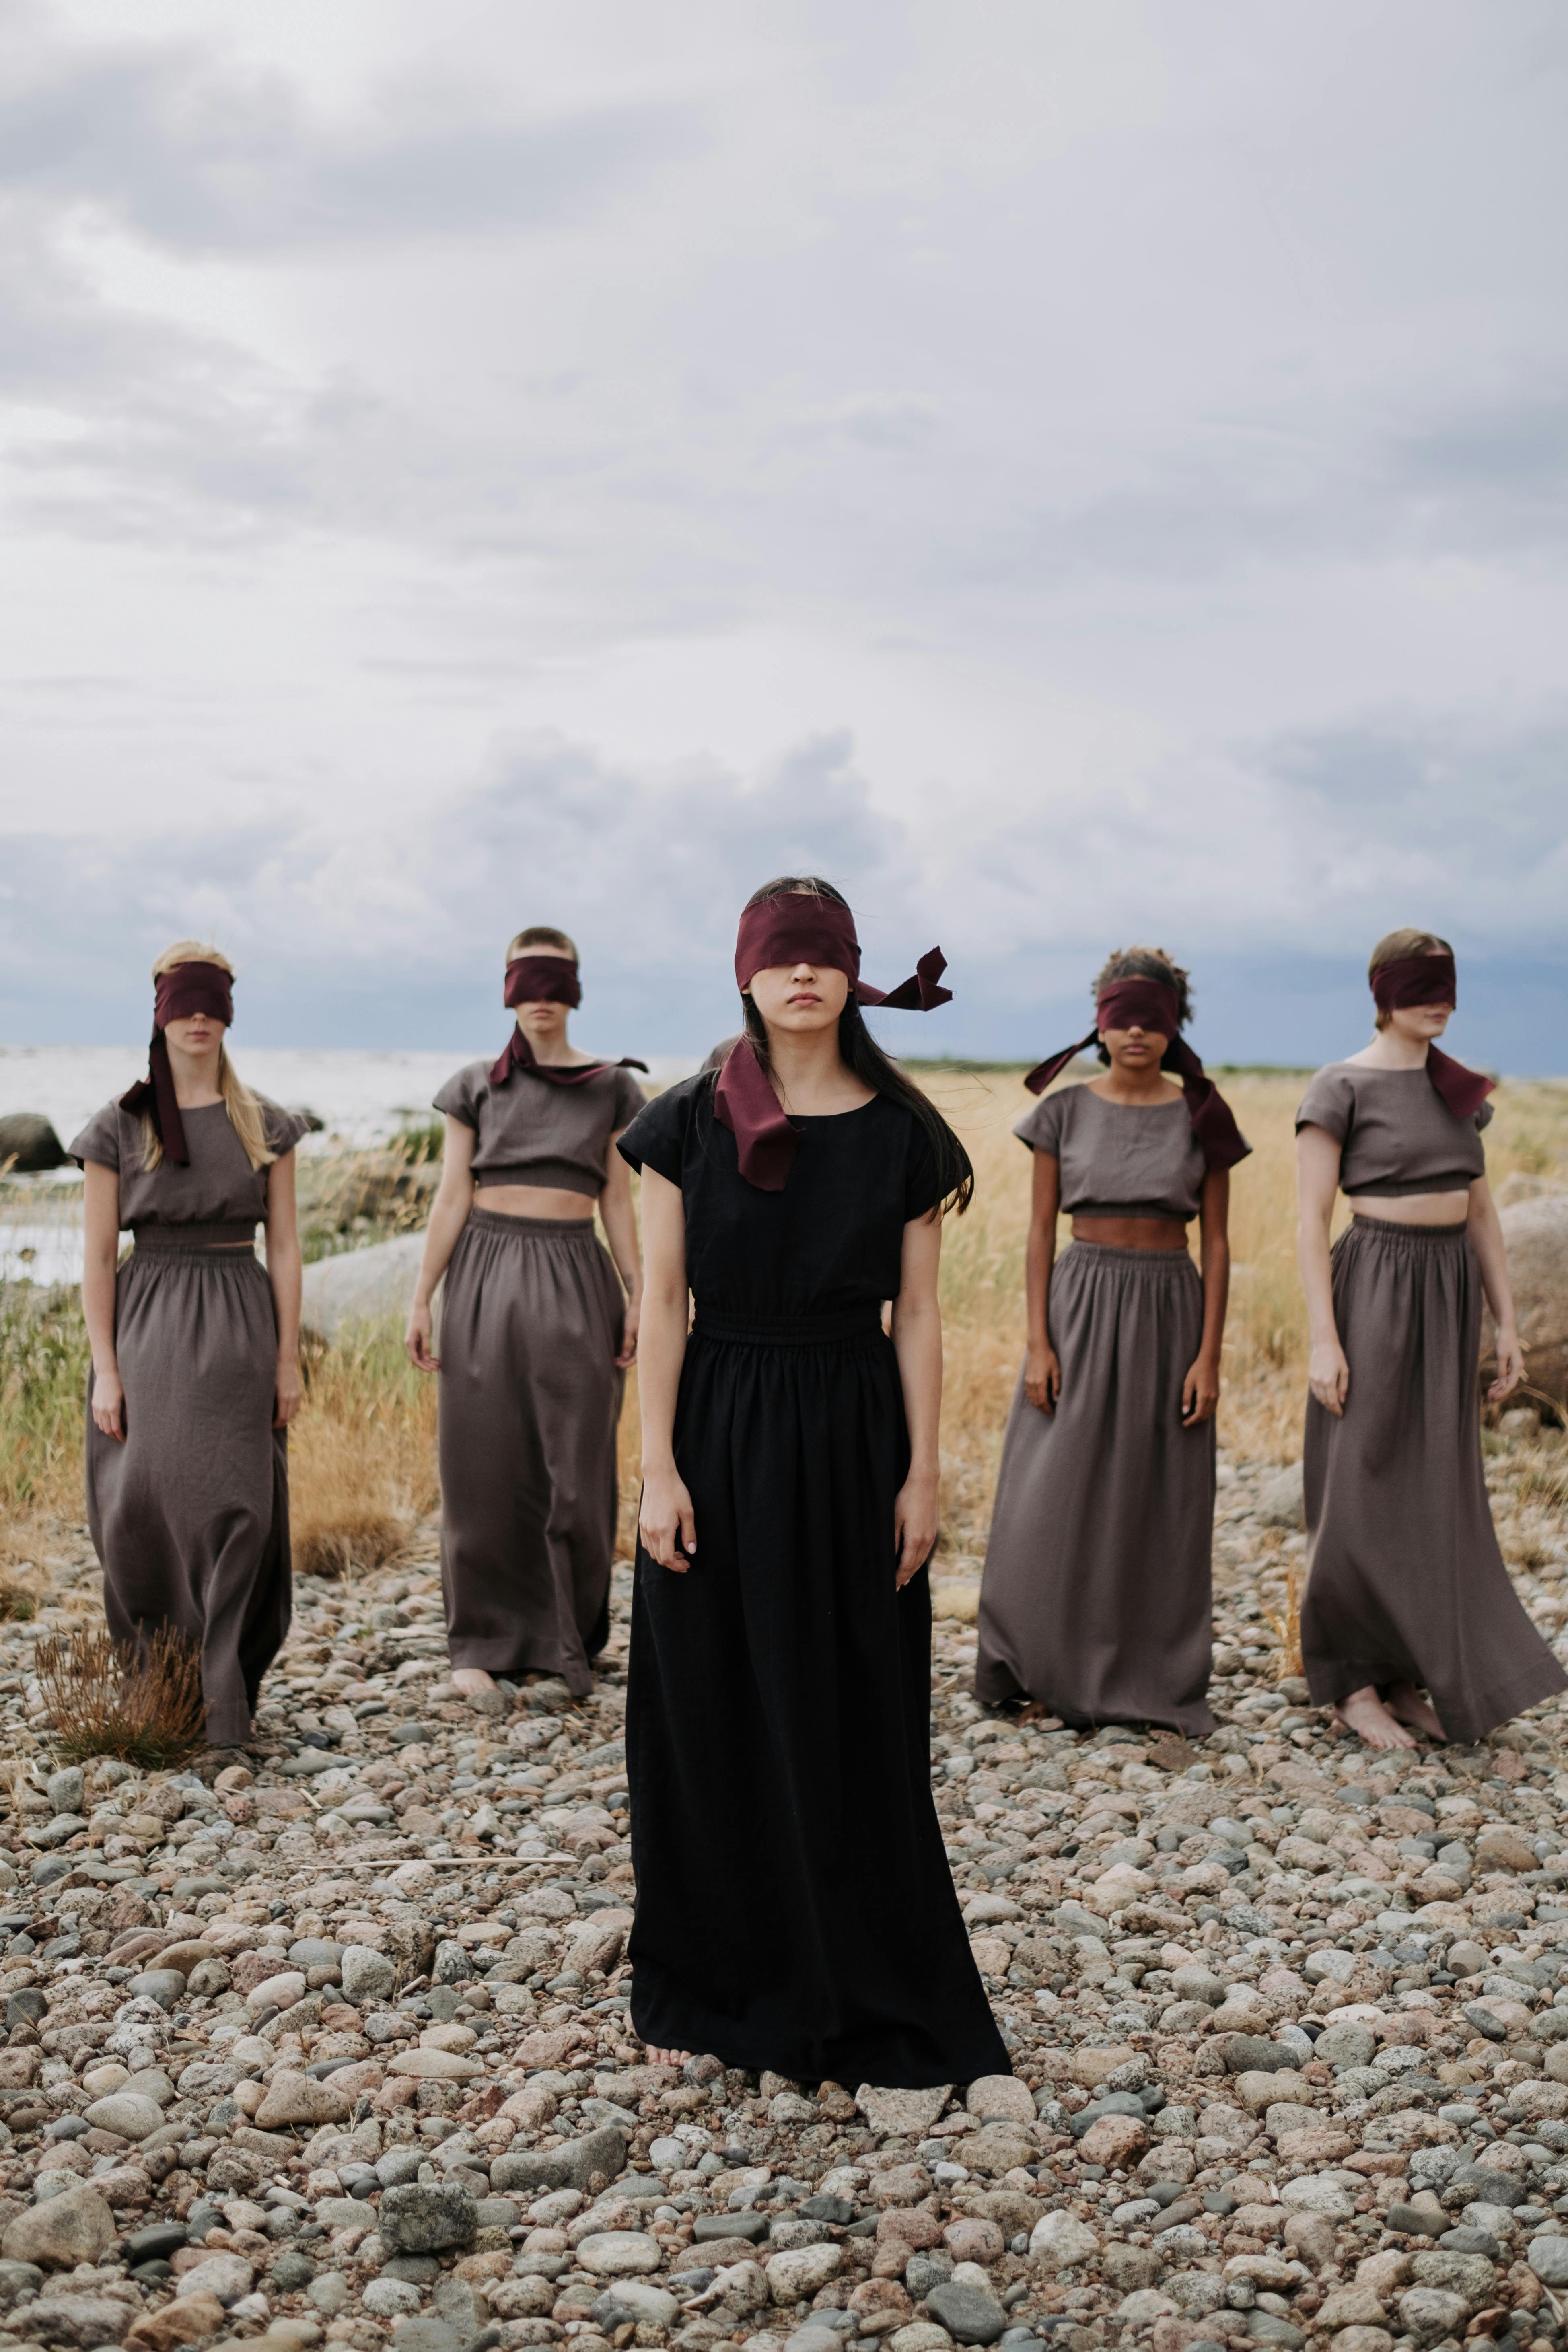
(1069, 474)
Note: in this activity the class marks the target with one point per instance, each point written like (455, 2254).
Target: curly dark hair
(1145, 963)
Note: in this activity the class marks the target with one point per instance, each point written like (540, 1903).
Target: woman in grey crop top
(1096, 1597)
(536, 1333)
(1406, 1588)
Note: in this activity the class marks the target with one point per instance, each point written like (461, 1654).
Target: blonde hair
(1394, 947)
(245, 1113)
(540, 935)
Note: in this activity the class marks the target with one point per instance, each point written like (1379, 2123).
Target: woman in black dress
(796, 1910)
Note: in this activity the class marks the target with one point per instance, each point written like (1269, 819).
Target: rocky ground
(341, 2050)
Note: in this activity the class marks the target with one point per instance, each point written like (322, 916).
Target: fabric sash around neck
(1432, 980)
(798, 927)
(1153, 1005)
(183, 989)
(546, 980)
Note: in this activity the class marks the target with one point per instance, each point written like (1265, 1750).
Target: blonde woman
(536, 1333)
(1406, 1590)
(195, 1350)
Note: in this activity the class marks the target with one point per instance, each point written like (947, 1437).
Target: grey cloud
(199, 155)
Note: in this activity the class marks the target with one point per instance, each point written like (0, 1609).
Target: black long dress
(795, 1906)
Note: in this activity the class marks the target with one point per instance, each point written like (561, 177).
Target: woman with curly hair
(1096, 1596)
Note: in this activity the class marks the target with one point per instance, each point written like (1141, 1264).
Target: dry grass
(1286, 1625)
(363, 1452)
(362, 1470)
(142, 1705)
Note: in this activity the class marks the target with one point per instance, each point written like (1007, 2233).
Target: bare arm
(917, 1342)
(284, 1272)
(1042, 1372)
(1200, 1389)
(1317, 1182)
(454, 1198)
(664, 1516)
(101, 1235)
(620, 1223)
(1486, 1233)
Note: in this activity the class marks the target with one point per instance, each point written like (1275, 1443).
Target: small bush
(18, 1603)
(143, 1704)
(368, 1539)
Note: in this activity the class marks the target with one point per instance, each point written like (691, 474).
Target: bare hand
(665, 1520)
(288, 1392)
(630, 1324)
(1042, 1377)
(1200, 1392)
(1329, 1377)
(914, 1526)
(417, 1340)
(1510, 1365)
(109, 1405)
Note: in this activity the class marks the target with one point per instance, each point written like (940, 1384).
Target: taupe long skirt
(190, 1516)
(531, 1326)
(1406, 1583)
(1096, 1596)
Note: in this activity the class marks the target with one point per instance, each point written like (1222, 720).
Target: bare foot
(1364, 1714)
(1405, 1702)
(667, 2057)
(469, 1679)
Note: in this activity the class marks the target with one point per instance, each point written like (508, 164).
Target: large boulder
(362, 1285)
(1535, 1236)
(28, 1143)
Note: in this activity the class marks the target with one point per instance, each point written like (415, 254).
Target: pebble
(459, 1884)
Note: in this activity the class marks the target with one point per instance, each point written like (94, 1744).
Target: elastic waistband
(786, 1330)
(1152, 1257)
(1394, 1229)
(195, 1241)
(553, 1229)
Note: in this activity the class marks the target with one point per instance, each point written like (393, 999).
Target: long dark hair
(861, 1054)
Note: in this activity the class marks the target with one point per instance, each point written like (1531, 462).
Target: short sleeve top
(219, 1187)
(830, 1242)
(1118, 1159)
(533, 1132)
(1397, 1134)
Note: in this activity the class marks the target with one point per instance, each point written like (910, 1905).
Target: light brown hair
(540, 935)
(245, 1112)
(1394, 947)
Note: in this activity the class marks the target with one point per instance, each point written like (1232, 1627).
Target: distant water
(363, 1097)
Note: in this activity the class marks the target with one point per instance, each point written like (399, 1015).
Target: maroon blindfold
(546, 980)
(1432, 980)
(1143, 1003)
(543, 980)
(798, 928)
(183, 989)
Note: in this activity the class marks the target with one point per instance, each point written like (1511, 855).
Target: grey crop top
(1116, 1159)
(218, 1188)
(549, 1138)
(1397, 1134)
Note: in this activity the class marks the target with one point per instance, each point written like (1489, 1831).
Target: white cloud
(1128, 453)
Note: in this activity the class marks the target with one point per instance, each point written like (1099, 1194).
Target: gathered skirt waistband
(533, 1229)
(1394, 1229)
(1157, 1261)
(787, 1331)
